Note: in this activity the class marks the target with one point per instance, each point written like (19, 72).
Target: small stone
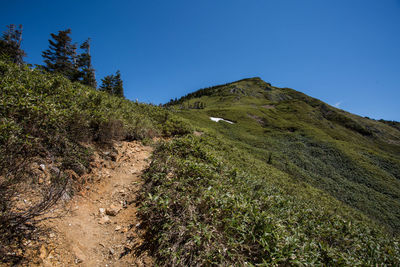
(112, 252)
(102, 211)
(43, 252)
(105, 220)
(52, 235)
(65, 196)
(113, 210)
(79, 255)
(42, 167)
(118, 228)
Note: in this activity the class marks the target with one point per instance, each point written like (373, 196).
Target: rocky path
(100, 228)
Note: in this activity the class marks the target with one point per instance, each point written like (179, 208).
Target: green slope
(44, 118)
(354, 159)
(292, 181)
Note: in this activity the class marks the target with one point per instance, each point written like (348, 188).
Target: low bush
(202, 208)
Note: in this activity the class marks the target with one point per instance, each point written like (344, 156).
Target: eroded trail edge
(101, 227)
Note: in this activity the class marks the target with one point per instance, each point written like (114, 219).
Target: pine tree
(61, 55)
(107, 84)
(118, 85)
(113, 84)
(10, 44)
(87, 74)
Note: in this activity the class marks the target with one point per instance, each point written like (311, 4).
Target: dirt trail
(101, 227)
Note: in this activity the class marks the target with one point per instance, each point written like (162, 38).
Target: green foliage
(292, 182)
(10, 45)
(61, 55)
(44, 116)
(112, 84)
(209, 203)
(394, 124)
(344, 120)
(174, 126)
(87, 73)
(217, 90)
(351, 158)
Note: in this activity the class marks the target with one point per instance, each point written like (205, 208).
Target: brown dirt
(86, 235)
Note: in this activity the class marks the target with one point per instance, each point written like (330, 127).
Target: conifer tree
(10, 44)
(87, 74)
(113, 84)
(118, 86)
(61, 55)
(107, 84)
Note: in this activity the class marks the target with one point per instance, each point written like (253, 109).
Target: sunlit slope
(354, 159)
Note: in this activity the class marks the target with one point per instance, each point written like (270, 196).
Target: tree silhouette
(61, 55)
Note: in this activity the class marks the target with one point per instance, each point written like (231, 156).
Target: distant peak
(254, 80)
(249, 79)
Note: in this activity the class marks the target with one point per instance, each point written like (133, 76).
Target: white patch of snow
(220, 119)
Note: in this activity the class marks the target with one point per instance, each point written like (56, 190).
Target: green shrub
(201, 209)
(45, 116)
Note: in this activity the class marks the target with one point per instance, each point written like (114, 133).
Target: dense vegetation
(212, 90)
(210, 203)
(341, 153)
(10, 45)
(293, 181)
(46, 117)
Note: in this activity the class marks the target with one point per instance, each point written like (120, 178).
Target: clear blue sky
(344, 52)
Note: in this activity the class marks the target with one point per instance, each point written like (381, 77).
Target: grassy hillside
(208, 202)
(292, 181)
(44, 118)
(354, 159)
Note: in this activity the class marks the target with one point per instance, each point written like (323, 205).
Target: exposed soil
(100, 227)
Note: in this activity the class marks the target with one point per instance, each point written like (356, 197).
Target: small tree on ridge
(61, 55)
(113, 85)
